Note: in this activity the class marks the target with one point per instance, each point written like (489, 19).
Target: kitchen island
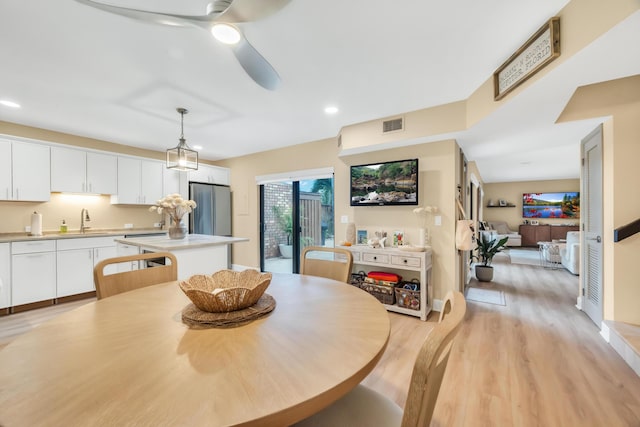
(196, 253)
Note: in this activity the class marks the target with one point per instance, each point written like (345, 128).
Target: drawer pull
(405, 261)
(375, 258)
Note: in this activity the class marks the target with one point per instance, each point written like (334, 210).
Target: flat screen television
(384, 184)
(551, 205)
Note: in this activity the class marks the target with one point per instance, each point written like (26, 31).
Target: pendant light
(181, 157)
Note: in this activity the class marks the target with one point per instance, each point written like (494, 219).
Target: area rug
(524, 256)
(489, 296)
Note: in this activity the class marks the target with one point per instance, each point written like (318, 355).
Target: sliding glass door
(294, 214)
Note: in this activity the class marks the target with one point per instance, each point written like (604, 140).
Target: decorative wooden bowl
(226, 290)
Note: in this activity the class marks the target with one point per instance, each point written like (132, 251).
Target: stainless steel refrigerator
(213, 213)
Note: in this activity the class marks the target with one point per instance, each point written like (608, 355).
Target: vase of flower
(424, 239)
(178, 231)
(176, 207)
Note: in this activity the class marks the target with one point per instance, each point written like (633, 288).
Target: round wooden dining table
(128, 360)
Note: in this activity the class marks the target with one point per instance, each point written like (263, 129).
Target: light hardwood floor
(537, 361)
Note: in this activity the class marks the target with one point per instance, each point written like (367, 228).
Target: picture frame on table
(398, 238)
(362, 237)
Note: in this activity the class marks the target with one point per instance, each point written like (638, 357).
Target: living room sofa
(502, 229)
(570, 253)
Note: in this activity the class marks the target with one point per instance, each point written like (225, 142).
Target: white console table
(408, 264)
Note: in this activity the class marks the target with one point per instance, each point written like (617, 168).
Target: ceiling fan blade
(142, 15)
(255, 65)
(251, 10)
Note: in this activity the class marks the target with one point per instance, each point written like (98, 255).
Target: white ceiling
(83, 71)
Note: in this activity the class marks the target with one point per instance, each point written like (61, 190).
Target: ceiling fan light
(226, 33)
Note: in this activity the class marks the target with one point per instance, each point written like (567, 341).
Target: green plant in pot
(284, 219)
(487, 249)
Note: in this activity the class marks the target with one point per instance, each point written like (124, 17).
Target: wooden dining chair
(337, 265)
(365, 407)
(112, 284)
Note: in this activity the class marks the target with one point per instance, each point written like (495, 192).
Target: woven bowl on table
(226, 290)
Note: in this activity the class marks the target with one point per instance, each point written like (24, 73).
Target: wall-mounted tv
(383, 184)
(551, 205)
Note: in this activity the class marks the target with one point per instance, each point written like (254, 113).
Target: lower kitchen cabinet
(125, 250)
(33, 271)
(76, 260)
(74, 272)
(5, 275)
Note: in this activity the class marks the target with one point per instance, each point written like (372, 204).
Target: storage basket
(408, 294)
(357, 278)
(382, 290)
(408, 298)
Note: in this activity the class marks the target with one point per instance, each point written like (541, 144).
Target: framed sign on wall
(541, 48)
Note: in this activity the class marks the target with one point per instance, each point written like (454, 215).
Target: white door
(5, 276)
(74, 272)
(591, 213)
(33, 277)
(128, 181)
(68, 170)
(150, 182)
(102, 173)
(6, 186)
(31, 172)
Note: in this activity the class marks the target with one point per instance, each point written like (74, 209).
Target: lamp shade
(181, 157)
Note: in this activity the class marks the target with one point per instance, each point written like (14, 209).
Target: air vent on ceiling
(392, 125)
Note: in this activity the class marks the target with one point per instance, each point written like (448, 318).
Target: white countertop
(164, 243)
(75, 234)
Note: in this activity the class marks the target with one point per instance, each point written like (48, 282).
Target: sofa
(570, 253)
(502, 230)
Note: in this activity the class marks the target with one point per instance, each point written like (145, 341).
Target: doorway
(294, 214)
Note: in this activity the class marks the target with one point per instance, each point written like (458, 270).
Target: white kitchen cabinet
(6, 185)
(139, 181)
(76, 259)
(210, 174)
(5, 275)
(171, 180)
(25, 171)
(33, 271)
(74, 272)
(125, 250)
(79, 171)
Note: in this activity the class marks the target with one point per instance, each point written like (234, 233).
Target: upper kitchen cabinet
(175, 181)
(139, 181)
(210, 174)
(78, 171)
(24, 171)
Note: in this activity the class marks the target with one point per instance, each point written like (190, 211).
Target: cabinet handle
(17, 194)
(375, 258)
(405, 261)
(7, 193)
(97, 253)
(83, 190)
(90, 188)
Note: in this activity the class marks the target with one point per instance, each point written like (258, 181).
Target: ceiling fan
(218, 18)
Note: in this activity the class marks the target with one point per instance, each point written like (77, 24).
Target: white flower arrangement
(175, 206)
(423, 212)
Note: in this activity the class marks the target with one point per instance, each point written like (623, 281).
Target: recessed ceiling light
(226, 33)
(331, 110)
(8, 103)
(197, 147)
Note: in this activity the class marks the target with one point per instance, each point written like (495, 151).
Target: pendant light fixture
(181, 157)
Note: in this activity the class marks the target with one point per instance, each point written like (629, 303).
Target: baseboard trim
(605, 332)
(437, 305)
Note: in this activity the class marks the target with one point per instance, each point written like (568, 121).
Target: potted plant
(487, 249)
(285, 222)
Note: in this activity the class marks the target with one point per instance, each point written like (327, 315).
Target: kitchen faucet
(84, 217)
